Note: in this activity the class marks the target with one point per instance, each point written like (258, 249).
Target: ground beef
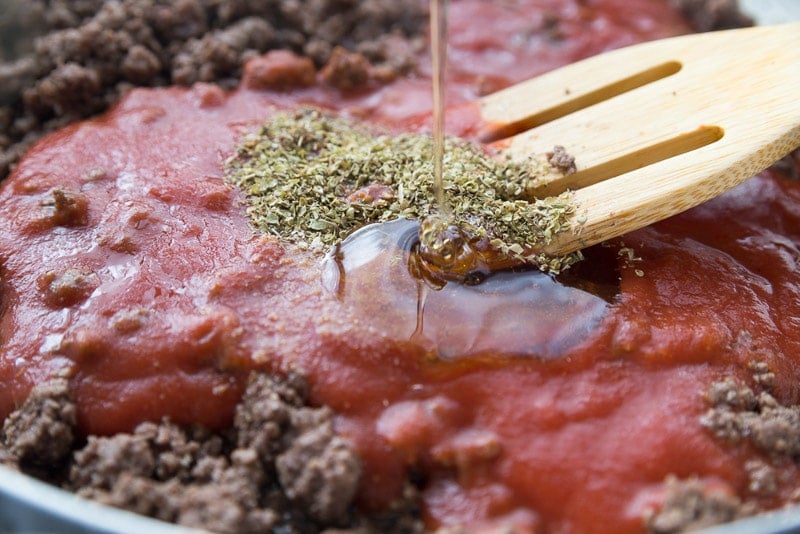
(743, 414)
(346, 70)
(68, 208)
(692, 505)
(7, 459)
(762, 478)
(60, 14)
(17, 20)
(163, 471)
(739, 414)
(789, 165)
(562, 160)
(282, 466)
(708, 15)
(40, 434)
(318, 470)
(96, 51)
(279, 70)
(68, 287)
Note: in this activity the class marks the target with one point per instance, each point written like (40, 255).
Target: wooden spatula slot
(681, 144)
(655, 128)
(576, 99)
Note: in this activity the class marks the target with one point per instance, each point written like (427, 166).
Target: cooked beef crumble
(788, 166)
(562, 160)
(40, 434)
(92, 52)
(692, 505)
(709, 15)
(96, 51)
(740, 414)
(281, 467)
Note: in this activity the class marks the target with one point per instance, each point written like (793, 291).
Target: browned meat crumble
(740, 414)
(93, 52)
(40, 434)
(709, 15)
(281, 467)
(692, 505)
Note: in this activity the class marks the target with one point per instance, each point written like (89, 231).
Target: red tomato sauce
(179, 298)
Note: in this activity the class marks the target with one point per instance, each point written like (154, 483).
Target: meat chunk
(319, 470)
(41, 432)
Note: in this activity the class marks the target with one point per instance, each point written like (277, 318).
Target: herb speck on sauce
(312, 179)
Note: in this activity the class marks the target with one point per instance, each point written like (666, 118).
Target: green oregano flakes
(311, 179)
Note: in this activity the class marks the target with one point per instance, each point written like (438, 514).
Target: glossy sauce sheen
(181, 299)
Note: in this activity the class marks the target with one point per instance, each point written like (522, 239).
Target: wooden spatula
(656, 128)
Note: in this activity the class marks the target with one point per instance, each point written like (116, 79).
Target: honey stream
(438, 13)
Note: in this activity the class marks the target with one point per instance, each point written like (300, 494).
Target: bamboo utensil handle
(656, 128)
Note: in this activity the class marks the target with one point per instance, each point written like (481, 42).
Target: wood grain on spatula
(656, 128)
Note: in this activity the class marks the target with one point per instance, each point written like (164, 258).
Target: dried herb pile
(311, 179)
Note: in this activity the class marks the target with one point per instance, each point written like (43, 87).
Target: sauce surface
(129, 264)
